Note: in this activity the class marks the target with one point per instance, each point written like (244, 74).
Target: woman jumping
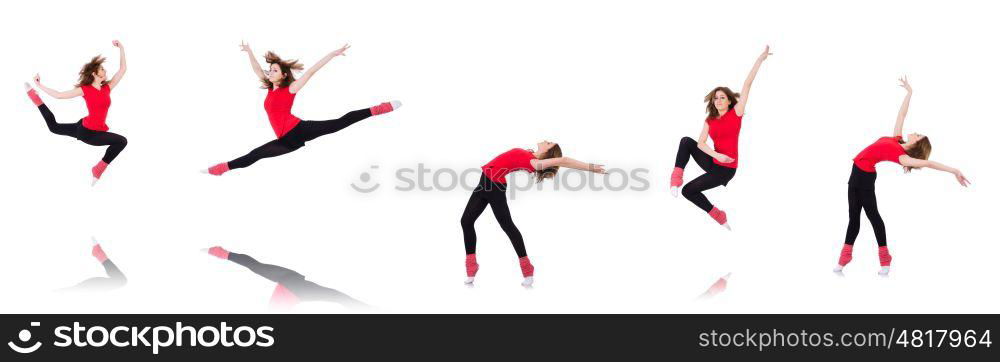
(292, 287)
(95, 88)
(910, 153)
(492, 191)
(723, 126)
(292, 132)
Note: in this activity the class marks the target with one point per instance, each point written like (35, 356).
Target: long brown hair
(88, 70)
(550, 172)
(920, 150)
(287, 66)
(713, 112)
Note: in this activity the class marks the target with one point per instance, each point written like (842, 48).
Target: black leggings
(115, 279)
(303, 132)
(713, 177)
(116, 143)
(495, 195)
(861, 195)
(296, 283)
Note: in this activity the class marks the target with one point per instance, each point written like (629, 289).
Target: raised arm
(301, 82)
(908, 161)
(253, 61)
(566, 162)
(121, 65)
(75, 92)
(745, 92)
(703, 146)
(898, 131)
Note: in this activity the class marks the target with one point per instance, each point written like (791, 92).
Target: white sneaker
(396, 104)
(838, 269)
(94, 182)
(726, 225)
(469, 281)
(884, 271)
(674, 191)
(528, 282)
(27, 87)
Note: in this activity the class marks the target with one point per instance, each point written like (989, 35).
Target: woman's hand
(117, 44)
(341, 51)
(597, 168)
(724, 159)
(961, 178)
(763, 56)
(905, 84)
(38, 79)
(244, 46)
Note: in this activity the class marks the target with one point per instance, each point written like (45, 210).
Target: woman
(492, 191)
(725, 117)
(292, 133)
(910, 153)
(95, 88)
(292, 287)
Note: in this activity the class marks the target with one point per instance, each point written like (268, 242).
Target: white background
(617, 83)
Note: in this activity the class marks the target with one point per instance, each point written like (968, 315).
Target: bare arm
(75, 92)
(121, 67)
(745, 93)
(908, 161)
(566, 162)
(253, 61)
(703, 146)
(898, 130)
(301, 82)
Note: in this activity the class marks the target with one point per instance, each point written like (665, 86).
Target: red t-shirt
(98, 101)
(278, 105)
(725, 133)
(885, 149)
(517, 159)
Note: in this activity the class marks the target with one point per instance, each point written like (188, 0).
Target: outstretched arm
(908, 161)
(75, 92)
(566, 162)
(301, 82)
(745, 93)
(121, 66)
(703, 146)
(898, 131)
(253, 61)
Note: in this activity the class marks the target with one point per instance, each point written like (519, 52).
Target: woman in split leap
(95, 88)
(912, 152)
(725, 118)
(491, 191)
(291, 132)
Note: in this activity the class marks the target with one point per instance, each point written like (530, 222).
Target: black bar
(518, 337)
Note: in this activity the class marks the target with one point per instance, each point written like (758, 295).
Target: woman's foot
(528, 271)
(471, 268)
(385, 107)
(97, 251)
(33, 95)
(676, 179)
(218, 252)
(217, 170)
(884, 271)
(845, 257)
(97, 171)
(720, 217)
